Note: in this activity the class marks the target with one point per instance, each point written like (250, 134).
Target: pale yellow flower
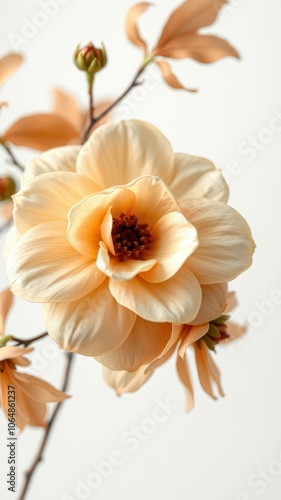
(121, 232)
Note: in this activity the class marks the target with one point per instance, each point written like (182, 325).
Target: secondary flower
(30, 393)
(180, 37)
(119, 232)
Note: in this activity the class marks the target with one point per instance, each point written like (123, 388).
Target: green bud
(90, 59)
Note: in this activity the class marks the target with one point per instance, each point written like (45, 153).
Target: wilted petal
(50, 200)
(196, 177)
(176, 300)
(136, 149)
(183, 373)
(234, 331)
(61, 159)
(193, 334)
(43, 267)
(41, 131)
(170, 78)
(6, 300)
(12, 351)
(91, 326)
(214, 299)
(207, 370)
(226, 244)
(123, 381)
(203, 48)
(8, 64)
(190, 16)
(39, 390)
(145, 342)
(131, 27)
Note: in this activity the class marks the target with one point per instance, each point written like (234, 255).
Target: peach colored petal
(214, 299)
(160, 360)
(176, 300)
(226, 244)
(66, 106)
(43, 267)
(50, 200)
(194, 334)
(145, 342)
(214, 371)
(131, 27)
(203, 48)
(86, 218)
(6, 300)
(170, 78)
(183, 373)
(203, 369)
(38, 389)
(61, 159)
(231, 302)
(41, 131)
(136, 149)
(121, 269)
(173, 240)
(8, 64)
(11, 351)
(91, 326)
(235, 332)
(196, 177)
(123, 381)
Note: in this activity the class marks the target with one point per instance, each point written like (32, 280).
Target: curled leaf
(170, 78)
(8, 64)
(131, 27)
(41, 131)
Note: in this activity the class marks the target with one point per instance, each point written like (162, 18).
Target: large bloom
(119, 232)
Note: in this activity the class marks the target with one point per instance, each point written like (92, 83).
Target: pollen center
(129, 237)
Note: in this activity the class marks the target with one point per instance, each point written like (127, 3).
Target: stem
(134, 83)
(39, 455)
(26, 342)
(12, 156)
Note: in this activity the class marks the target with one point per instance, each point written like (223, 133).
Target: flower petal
(39, 390)
(43, 267)
(121, 269)
(196, 177)
(176, 300)
(131, 27)
(118, 153)
(203, 48)
(191, 15)
(170, 78)
(86, 218)
(123, 381)
(61, 159)
(50, 198)
(13, 351)
(8, 64)
(207, 370)
(183, 373)
(66, 106)
(145, 342)
(91, 326)
(226, 245)
(41, 131)
(214, 299)
(173, 239)
(193, 334)
(6, 300)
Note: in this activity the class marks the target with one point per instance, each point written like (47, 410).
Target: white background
(224, 450)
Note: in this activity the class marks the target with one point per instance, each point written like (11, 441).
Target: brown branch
(26, 342)
(39, 455)
(12, 156)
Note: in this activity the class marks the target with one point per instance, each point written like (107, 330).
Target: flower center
(129, 237)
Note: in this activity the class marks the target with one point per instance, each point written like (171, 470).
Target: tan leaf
(170, 78)
(190, 16)
(131, 27)
(6, 300)
(202, 48)
(8, 64)
(41, 131)
(65, 105)
(2, 104)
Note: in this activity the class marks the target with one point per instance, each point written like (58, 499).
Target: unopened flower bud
(7, 188)
(90, 59)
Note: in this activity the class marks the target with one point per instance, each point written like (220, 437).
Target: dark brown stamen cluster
(129, 237)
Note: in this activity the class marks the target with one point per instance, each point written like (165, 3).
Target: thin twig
(39, 455)
(12, 156)
(26, 342)
(95, 119)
